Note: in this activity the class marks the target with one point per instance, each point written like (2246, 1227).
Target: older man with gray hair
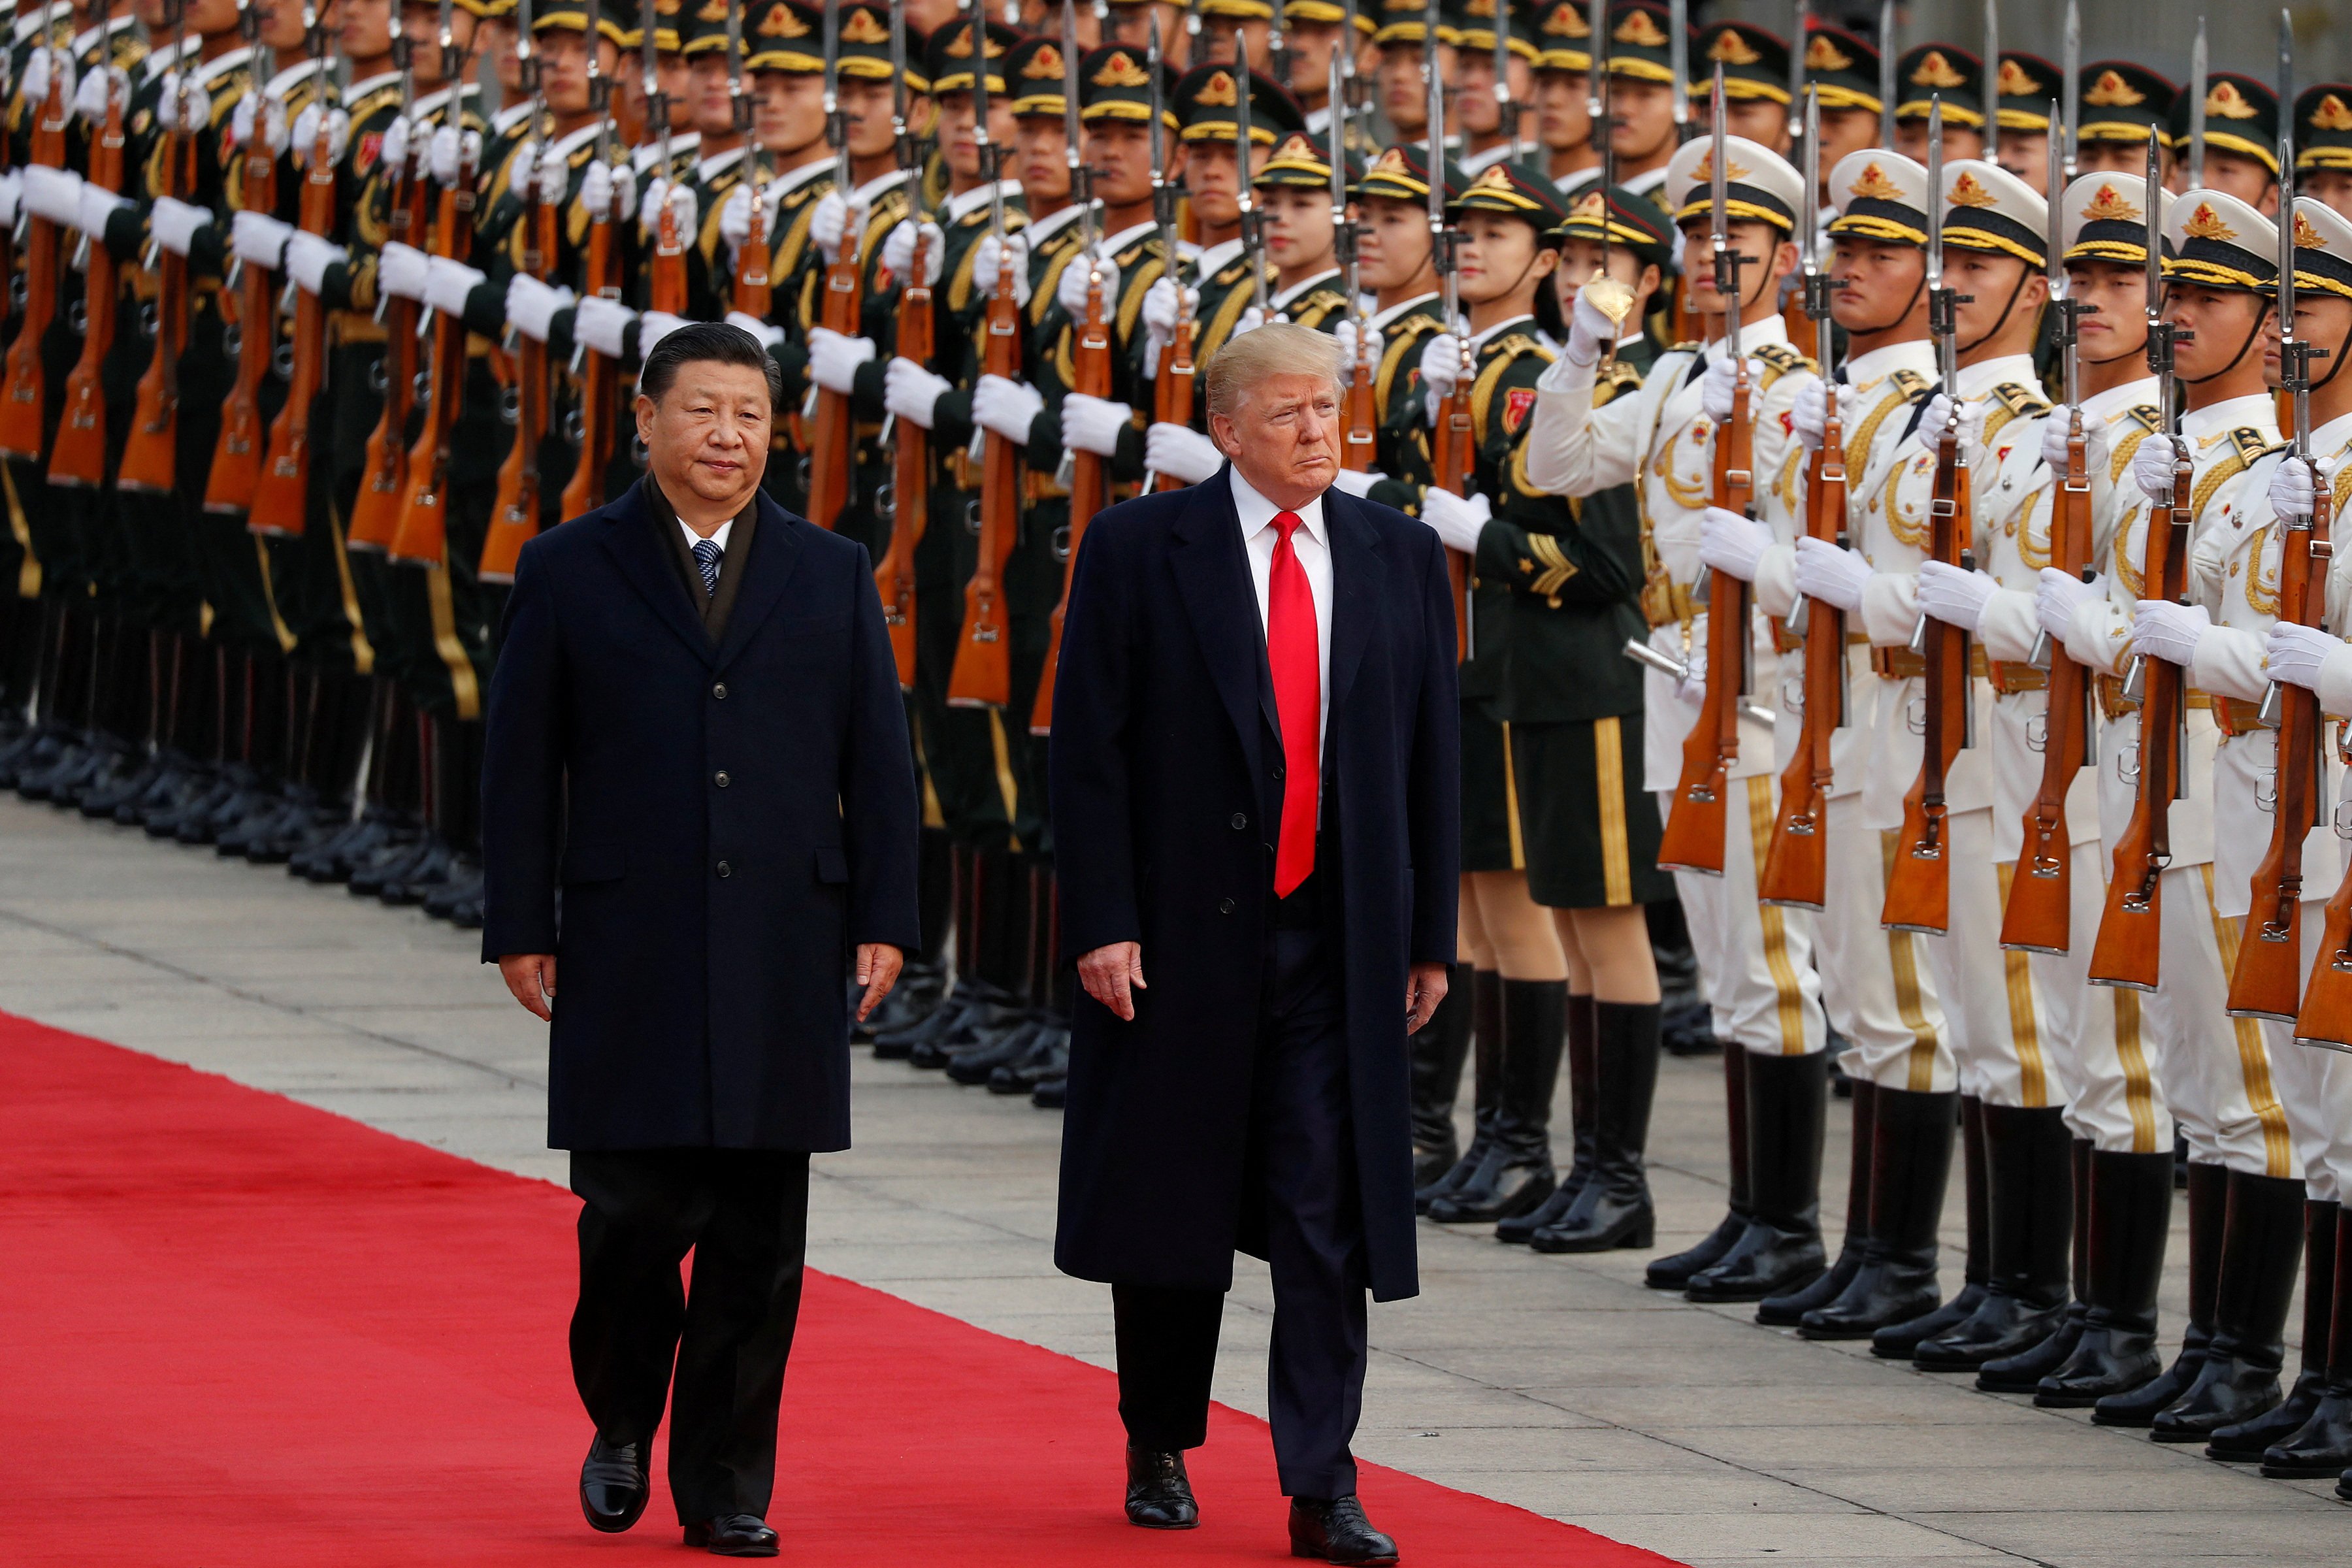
(1254, 782)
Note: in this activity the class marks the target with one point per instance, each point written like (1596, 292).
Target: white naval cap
(1883, 197)
(2219, 242)
(1987, 209)
(1760, 186)
(2103, 217)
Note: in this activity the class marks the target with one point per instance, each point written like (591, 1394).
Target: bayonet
(837, 126)
(2073, 88)
(1343, 229)
(2067, 314)
(1678, 64)
(1345, 51)
(1718, 209)
(1245, 192)
(657, 101)
(2198, 85)
(2294, 354)
(1886, 83)
(1277, 50)
(1506, 113)
(1081, 175)
(1599, 106)
(987, 150)
(1992, 81)
(1163, 191)
(1798, 26)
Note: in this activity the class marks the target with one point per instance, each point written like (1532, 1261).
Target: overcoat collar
(637, 546)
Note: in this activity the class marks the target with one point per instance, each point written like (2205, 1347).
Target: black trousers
(744, 1216)
(1301, 1164)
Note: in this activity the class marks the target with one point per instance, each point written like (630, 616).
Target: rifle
(151, 455)
(667, 276)
(2041, 897)
(600, 377)
(281, 496)
(2267, 980)
(423, 538)
(78, 460)
(514, 516)
(1886, 61)
(2127, 951)
(1253, 222)
(376, 513)
(1991, 89)
(833, 456)
(982, 674)
(24, 391)
(754, 291)
(1506, 112)
(1359, 398)
(1172, 380)
(1796, 865)
(2074, 86)
(1454, 447)
(236, 457)
(1919, 887)
(1693, 840)
(1089, 360)
(2198, 85)
(907, 501)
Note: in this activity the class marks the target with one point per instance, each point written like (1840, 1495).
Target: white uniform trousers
(2096, 1031)
(1991, 1009)
(1755, 961)
(1878, 992)
(2314, 1087)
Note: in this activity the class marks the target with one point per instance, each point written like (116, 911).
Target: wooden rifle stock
(79, 458)
(24, 391)
(832, 438)
(2037, 916)
(599, 385)
(236, 456)
(1796, 865)
(514, 516)
(1171, 386)
(982, 675)
(1919, 887)
(1090, 485)
(754, 293)
(423, 538)
(1455, 455)
(2267, 980)
(151, 456)
(1693, 838)
(2325, 1018)
(383, 487)
(1359, 415)
(911, 476)
(282, 499)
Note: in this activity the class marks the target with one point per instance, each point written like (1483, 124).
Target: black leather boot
(1584, 1117)
(2128, 1220)
(1897, 1340)
(1518, 1173)
(2261, 1245)
(1487, 1086)
(1910, 1161)
(1787, 1311)
(2245, 1442)
(1615, 1208)
(1781, 1250)
(2023, 1373)
(2209, 1206)
(1436, 1055)
(2323, 1447)
(1674, 1272)
(2029, 1185)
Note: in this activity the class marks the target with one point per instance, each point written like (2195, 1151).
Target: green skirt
(1490, 814)
(1587, 831)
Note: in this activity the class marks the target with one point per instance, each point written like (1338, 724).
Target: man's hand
(1424, 989)
(878, 970)
(532, 977)
(1113, 975)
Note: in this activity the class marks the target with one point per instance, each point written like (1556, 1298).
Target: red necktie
(1292, 654)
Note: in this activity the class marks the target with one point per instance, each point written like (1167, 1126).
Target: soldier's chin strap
(2003, 321)
(2335, 361)
(2252, 332)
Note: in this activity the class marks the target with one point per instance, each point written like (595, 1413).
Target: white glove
(258, 239)
(833, 359)
(1093, 424)
(1730, 542)
(1162, 308)
(1355, 483)
(768, 334)
(1716, 388)
(1251, 320)
(2296, 653)
(98, 203)
(2152, 467)
(273, 129)
(1691, 689)
(987, 263)
(1955, 597)
(602, 186)
(653, 327)
(554, 179)
(599, 322)
(90, 94)
(1973, 423)
(2291, 489)
(448, 282)
(38, 69)
(452, 153)
(828, 224)
(175, 223)
(308, 257)
(735, 215)
(306, 134)
(1351, 354)
(1070, 293)
(685, 211)
(531, 305)
(53, 194)
(1180, 452)
(1440, 367)
(12, 197)
(898, 253)
(1811, 416)
(1590, 330)
(1005, 406)
(1831, 574)
(393, 153)
(400, 270)
(200, 105)
(520, 170)
(912, 393)
(2055, 601)
(1457, 521)
(2053, 437)
(2162, 629)
(649, 205)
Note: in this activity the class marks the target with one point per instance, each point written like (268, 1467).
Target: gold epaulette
(1779, 359)
(1687, 346)
(2147, 416)
(2250, 445)
(2022, 402)
(1616, 382)
(1518, 344)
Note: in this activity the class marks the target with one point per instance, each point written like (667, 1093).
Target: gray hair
(1277, 348)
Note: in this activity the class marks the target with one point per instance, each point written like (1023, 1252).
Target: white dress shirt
(718, 537)
(1312, 545)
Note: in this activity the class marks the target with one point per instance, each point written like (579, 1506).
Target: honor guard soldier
(1642, 93)
(1842, 72)
(1232, 32)
(1396, 266)
(1564, 135)
(1407, 55)
(1491, 126)
(724, 154)
(670, 74)
(1930, 76)
(1294, 191)
(1315, 28)
(1755, 81)
(2322, 144)
(2029, 85)
(2124, 105)
(2240, 119)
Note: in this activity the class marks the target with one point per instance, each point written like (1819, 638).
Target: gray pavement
(1557, 1385)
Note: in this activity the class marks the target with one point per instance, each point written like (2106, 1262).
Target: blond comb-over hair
(1279, 348)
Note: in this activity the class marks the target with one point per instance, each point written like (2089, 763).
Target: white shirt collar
(2332, 436)
(1914, 353)
(213, 71)
(1127, 237)
(286, 80)
(2255, 410)
(160, 60)
(1041, 229)
(1212, 260)
(1978, 379)
(507, 118)
(1319, 121)
(1257, 513)
(793, 179)
(359, 89)
(1381, 321)
(432, 102)
(1772, 330)
(865, 194)
(1641, 184)
(1479, 163)
(89, 37)
(710, 168)
(1574, 184)
(1478, 339)
(1298, 290)
(563, 147)
(718, 537)
(646, 157)
(964, 204)
(2102, 406)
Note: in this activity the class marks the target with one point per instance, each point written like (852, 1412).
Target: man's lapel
(1212, 576)
(1358, 572)
(632, 533)
(775, 550)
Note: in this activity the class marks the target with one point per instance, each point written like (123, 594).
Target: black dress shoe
(1159, 1492)
(1052, 1094)
(613, 1484)
(1334, 1530)
(736, 1535)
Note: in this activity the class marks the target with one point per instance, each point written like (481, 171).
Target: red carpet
(236, 1331)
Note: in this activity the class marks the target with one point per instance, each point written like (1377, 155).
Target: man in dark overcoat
(1255, 789)
(695, 737)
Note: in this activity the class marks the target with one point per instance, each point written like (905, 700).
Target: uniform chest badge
(1514, 409)
(371, 145)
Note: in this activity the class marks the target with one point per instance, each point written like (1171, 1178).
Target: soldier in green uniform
(723, 156)
(1295, 186)
(2124, 104)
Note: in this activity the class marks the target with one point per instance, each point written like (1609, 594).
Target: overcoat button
(1240, 822)
(1224, 906)
(720, 778)
(724, 869)
(719, 691)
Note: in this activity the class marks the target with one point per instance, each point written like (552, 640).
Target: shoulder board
(1687, 346)
(1518, 344)
(2022, 402)
(1911, 384)
(2147, 416)
(2250, 445)
(1783, 358)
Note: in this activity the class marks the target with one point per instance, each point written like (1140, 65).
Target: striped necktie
(707, 557)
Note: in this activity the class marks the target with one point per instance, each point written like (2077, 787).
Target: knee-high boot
(1910, 1161)
(1487, 1086)
(2209, 1209)
(1787, 1311)
(2323, 1445)
(1518, 1173)
(2029, 1176)
(1584, 1119)
(1781, 1250)
(2245, 1442)
(2023, 1373)
(1675, 1272)
(1899, 1340)
(2128, 1219)
(2260, 1247)
(1436, 1055)
(1615, 1208)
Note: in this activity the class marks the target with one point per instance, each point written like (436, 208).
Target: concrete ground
(1559, 1384)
